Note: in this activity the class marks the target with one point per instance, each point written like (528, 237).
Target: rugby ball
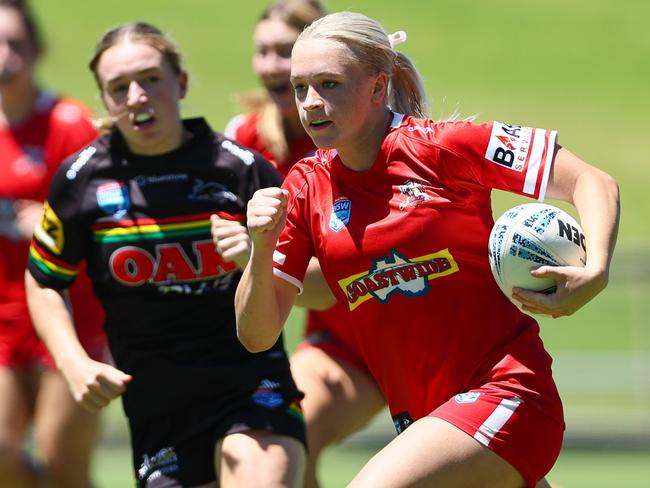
(529, 236)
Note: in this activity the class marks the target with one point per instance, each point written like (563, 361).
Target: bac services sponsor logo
(509, 145)
(397, 274)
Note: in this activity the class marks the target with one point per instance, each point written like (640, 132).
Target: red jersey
(243, 129)
(403, 246)
(29, 155)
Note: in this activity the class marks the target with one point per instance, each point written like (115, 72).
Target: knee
(269, 460)
(319, 434)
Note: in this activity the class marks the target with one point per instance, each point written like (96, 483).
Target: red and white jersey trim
(550, 153)
(279, 259)
(287, 277)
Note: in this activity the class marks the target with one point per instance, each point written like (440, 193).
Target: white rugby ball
(529, 236)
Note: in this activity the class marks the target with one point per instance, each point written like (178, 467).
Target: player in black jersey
(137, 205)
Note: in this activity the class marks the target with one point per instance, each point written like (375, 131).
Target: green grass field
(581, 67)
(575, 469)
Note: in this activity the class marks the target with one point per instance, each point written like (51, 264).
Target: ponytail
(371, 46)
(406, 94)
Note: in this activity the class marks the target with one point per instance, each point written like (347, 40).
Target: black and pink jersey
(143, 225)
(403, 246)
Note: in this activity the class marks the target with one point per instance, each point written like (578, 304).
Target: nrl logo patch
(340, 214)
(469, 397)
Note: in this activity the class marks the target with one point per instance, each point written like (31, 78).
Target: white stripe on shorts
(496, 420)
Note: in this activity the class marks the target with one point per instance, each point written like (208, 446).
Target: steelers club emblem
(414, 194)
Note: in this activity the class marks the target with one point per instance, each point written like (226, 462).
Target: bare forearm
(259, 319)
(93, 384)
(596, 197)
(53, 323)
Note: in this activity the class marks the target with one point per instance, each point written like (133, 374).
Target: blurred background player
(202, 410)
(38, 129)
(340, 395)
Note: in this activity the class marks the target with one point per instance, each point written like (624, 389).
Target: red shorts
(515, 430)
(327, 331)
(20, 346)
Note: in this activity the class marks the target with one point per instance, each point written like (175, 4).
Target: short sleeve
(295, 244)
(506, 157)
(60, 238)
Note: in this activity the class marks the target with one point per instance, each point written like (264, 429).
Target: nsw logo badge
(113, 198)
(340, 214)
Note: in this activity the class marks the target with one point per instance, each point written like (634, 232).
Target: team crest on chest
(113, 198)
(340, 214)
(414, 194)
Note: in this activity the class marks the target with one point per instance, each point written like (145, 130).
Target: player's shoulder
(231, 151)
(241, 159)
(312, 167)
(321, 159)
(79, 165)
(242, 127)
(64, 111)
(440, 132)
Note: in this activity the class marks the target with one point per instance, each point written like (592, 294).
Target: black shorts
(177, 449)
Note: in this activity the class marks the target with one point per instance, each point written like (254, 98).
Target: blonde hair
(297, 14)
(370, 46)
(141, 32)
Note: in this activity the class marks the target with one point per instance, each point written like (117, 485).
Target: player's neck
(17, 103)
(361, 153)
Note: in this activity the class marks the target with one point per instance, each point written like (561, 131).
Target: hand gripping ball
(529, 236)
